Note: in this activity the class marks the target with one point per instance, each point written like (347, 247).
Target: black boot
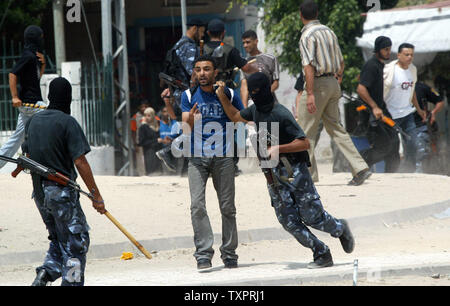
(321, 261)
(41, 280)
(347, 240)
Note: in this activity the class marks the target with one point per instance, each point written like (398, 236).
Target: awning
(427, 29)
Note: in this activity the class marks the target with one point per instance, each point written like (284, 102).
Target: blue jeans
(15, 141)
(408, 125)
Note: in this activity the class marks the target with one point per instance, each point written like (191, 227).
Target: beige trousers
(327, 93)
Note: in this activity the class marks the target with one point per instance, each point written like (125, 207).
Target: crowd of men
(53, 138)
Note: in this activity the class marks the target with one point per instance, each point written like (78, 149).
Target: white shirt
(398, 100)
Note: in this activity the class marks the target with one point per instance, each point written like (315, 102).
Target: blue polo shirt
(210, 138)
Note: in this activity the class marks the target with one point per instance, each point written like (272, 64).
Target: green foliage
(403, 3)
(282, 25)
(21, 13)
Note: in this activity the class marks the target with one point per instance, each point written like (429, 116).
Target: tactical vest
(225, 73)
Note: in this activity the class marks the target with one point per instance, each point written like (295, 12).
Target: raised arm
(232, 112)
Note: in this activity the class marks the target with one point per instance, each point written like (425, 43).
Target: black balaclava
(33, 38)
(382, 42)
(259, 89)
(60, 95)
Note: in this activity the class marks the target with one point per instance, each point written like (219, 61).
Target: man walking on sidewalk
(323, 66)
(26, 73)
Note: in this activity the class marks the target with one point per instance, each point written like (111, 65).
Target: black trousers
(384, 146)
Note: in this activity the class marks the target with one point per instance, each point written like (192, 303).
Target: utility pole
(117, 26)
(58, 27)
(183, 16)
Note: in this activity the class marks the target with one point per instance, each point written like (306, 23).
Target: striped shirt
(319, 47)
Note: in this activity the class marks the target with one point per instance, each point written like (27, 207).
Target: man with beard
(187, 51)
(294, 197)
(26, 73)
(383, 140)
(54, 139)
(204, 127)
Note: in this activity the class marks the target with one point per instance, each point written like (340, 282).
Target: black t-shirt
(55, 140)
(300, 83)
(27, 69)
(289, 130)
(372, 78)
(234, 57)
(424, 95)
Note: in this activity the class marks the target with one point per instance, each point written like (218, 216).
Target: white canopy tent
(428, 29)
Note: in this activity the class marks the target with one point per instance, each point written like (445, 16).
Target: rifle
(25, 163)
(202, 46)
(172, 82)
(388, 121)
(269, 173)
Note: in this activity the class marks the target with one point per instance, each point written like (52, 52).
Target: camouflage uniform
(68, 234)
(187, 51)
(297, 205)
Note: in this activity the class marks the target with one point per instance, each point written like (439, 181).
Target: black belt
(325, 75)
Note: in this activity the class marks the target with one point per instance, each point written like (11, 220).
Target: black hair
(405, 46)
(249, 34)
(215, 34)
(309, 10)
(206, 58)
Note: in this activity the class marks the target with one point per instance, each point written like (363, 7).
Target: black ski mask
(34, 41)
(60, 95)
(259, 89)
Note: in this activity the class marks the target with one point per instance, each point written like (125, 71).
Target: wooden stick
(123, 230)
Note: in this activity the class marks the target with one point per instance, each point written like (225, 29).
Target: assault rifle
(388, 121)
(256, 138)
(25, 163)
(172, 82)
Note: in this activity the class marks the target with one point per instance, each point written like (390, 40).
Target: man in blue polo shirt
(211, 152)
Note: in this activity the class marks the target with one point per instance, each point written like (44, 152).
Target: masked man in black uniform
(54, 139)
(294, 197)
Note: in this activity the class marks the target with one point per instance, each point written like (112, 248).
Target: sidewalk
(155, 210)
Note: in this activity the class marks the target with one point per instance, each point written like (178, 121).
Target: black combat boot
(41, 280)
(321, 261)
(347, 240)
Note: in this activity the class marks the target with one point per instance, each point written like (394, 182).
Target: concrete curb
(103, 251)
(332, 277)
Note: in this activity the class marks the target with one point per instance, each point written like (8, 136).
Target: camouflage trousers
(68, 235)
(297, 205)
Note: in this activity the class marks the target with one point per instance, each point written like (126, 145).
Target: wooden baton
(129, 236)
